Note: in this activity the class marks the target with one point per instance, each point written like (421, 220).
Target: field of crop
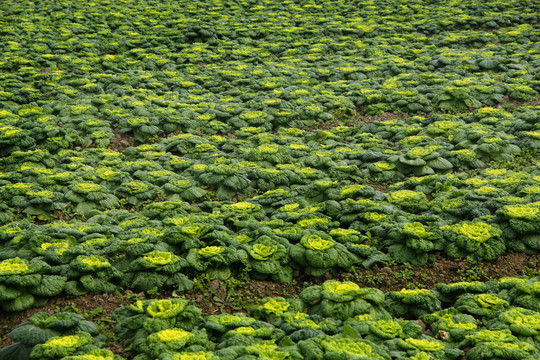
(283, 180)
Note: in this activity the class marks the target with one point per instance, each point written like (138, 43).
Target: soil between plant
(236, 294)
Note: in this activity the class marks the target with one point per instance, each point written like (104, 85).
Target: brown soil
(360, 119)
(121, 142)
(236, 295)
(97, 308)
(219, 296)
(510, 105)
(534, 102)
(445, 270)
(382, 187)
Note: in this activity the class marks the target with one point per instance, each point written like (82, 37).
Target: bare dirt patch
(238, 294)
(360, 119)
(510, 105)
(121, 142)
(97, 308)
(444, 270)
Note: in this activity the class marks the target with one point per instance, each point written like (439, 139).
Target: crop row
(38, 182)
(69, 78)
(336, 320)
(311, 213)
(256, 151)
(76, 76)
(323, 225)
(449, 142)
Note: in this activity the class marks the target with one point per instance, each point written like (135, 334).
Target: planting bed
(261, 179)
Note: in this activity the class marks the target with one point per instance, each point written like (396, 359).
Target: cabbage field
(154, 152)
